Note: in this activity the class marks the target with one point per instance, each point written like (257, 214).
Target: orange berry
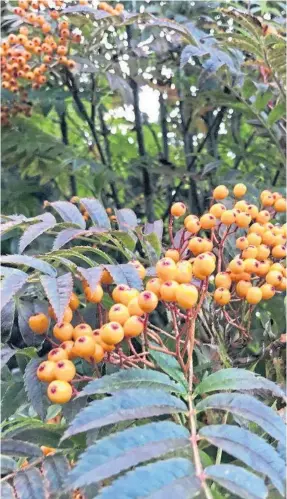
(254, 239)
(98, 354)
(279, 251)
(268, 200)
(193, 226)
(223, 280)
(186, 295)
(207, 221)
(74, 302)
(242, 288)
(263, 268)
(65, 370)
(274, 277)
(268, 291)
(242, 219)
(168, 290)
(252, 210)
(95, 296)
(134, 308)
(68, 347)
(242, 243)
(166, 269)
(206, 246)
(239, 190)
(222, 296)
(46, 371)
(119, 7)
(127, 295)
(62, 50)
(47, 451)
(59, 392)
(57, 354)
(243, 276)
(84, 346)
(276, 195)
(217, 209)
(257, 228)
(250, 252)
(196, 245)
(46, 27)
(263, 252)
(264, 193)
(250, 265)
(139, 267)
(82, 330)
(263, 217)
(283, 285)
(154, 286)
(106, 277)
(254, 295)
(183, 272)
(178, 209)
(119, 313)
(236, 266)
(280, 205)
(277, 266)
(133, 326)
(228, 217)
(173, 254)
(118, 291)
(268, 238)
(279, 239)
(148, 301)
(112, 333)
(39, 323)
(63, 25)
(68, 315)
(204, 265)
(220, 192)
(63, 331)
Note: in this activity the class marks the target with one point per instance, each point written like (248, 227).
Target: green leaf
(7, 320)
(153, 247)
(127, 239)
(55, 470)
(237, 379)
(69, 212)
(6, 491)
(262, 100)
(7, 464)
(277, 113)
(58, 291)
(237, 481)
(125, 405)
(17, 448)
(170, 478)
(6, 354)
(126, 449)
(72, 408)
(169, 365)
(35, 230)
(97, 212)
(13, 398)
(29, 484)
(25, 309)
(249, 448)
(249, 408)
(11, 285)
(43, 435)
(65, 236)
(127, 219)
(30, 261)
(92, 276)
(125, 273)
(35, 389)
(131, 378)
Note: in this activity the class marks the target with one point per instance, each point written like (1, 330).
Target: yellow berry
(82, 330)
(134, 308)
(148, 301)
(186, 295)
(280, 205)
(254, 239)
(217, 209)
(250, 252)
(63, 331)
(119, 313)
(46, 371)
(168, 290)
(178, 209)
(239, 190)
(268, 291)
(65, 370)
(112, 333)
(222, 296)
(228, 217)
(74, 302)
(39, 323)
(220, 192)
(242, 288)
(96, 295)
(59, 392)
(154, 286)
(279, 251)
(223, 280)
(84, 346)
(57, 354)
(166, 269)
(133, 326)
(274, 277)
(183, 272)
(204, 265)
(207, 221)
(242, 219)
(173, 254)
(254, 295)
(236, 266)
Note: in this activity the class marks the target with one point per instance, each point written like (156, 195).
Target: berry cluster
(195, 268)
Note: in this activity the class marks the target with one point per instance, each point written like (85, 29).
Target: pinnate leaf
(237, 379)
(35, 230)
(126, 449)
(237, 481)
(35, 389)
(125, 274)
(7, 319)
(131, 378)
(69, 213)
(249, 408)
(97, 212)
(124, 406)
(65, 236)
(169, 365)
(7, 464)
(17, 448)
(29, 484)
(170, 478)
(92, 276)
(11, 285)
(127, 219)
(58, 291)
(55, 469)
(30, 261)
(249, 448)
(6, 491)
(6, 354)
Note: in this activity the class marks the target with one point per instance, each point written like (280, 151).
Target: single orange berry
(254, 295)
(250, 252)
(204, 265)
(84, 346)
(241, 206)
(228, 217)
(63, 331)
(207, 221)
(178, 209)
(68, 347)
(46, 371)
(242, 219)
(236, 266)
(118, 291)
(134, 308)
(252, 210)
(39, 323)
(257, 228)
(133, 326)
(239, 190)
(283, 285)
(74, 302)
(264, 193)
(193, 226)
(251, 265)
(154, 286)
(268, 291)
(166, 269)
(268, 238)
(173, 254)
(127, 295)
(220, 192)
(82, 330)
(168, 291)
(98, 354)
(280, 205)
(268, 200)
(148, 301)
(274, 277)
(112, 333)
(223, 280)
(242, 243)
(279, 251)
(57, 354)
(186, 295)
(59, 392)
(65, 370)
(254, 239)
(96, 295)
(217, 209)
(242, 288)
(196, 245)
(222, 296)
(263, 252)
(263, 217)
(183, 272)
(119, 313)
(106, 277)
(277, 266)
(263, 268)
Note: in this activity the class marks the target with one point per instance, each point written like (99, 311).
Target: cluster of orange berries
(85, 213)
(111, 10)
(13, 108)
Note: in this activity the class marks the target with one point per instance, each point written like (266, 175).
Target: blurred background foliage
(155, 111)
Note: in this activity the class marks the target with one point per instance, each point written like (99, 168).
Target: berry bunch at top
(196, 267)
